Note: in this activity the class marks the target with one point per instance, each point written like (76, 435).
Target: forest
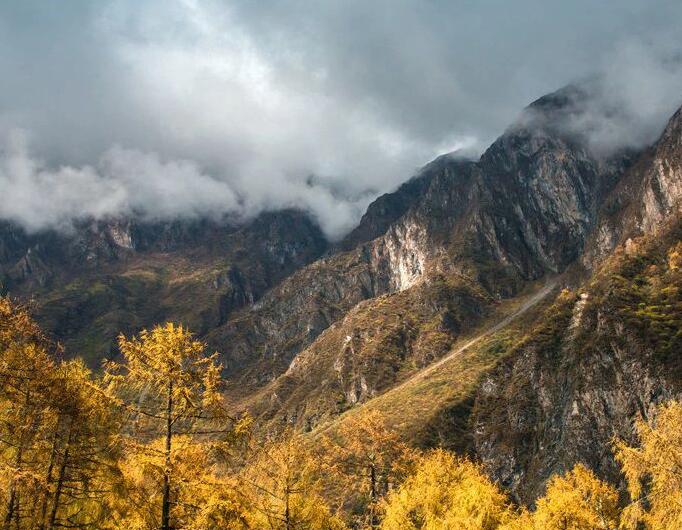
(149, 442)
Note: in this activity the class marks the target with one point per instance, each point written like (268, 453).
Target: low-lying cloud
(127, 182)
(178, 108)
(124, 182)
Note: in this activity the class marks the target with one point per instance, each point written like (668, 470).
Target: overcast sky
(178, 108)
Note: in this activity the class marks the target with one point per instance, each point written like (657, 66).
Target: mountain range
(523, 307)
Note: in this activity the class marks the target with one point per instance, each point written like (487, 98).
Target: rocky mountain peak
(648, 192)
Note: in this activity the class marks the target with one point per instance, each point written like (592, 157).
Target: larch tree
(26, 376)
(81, 464)
(204, 494)
(283, 488)
(367, 459)
(446, 492)
(654, 471)
(57, 450)
(577, 500)
(170, 389)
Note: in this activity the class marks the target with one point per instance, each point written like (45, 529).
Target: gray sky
(178, 108)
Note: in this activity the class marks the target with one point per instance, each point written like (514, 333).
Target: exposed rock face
(648, 193)
(386, 210)
(376, 344)
(590, 369)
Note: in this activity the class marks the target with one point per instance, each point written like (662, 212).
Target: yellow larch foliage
(282, 485)
(446, 492)
(577, 500)
(203, 495)
(58, 446)
(654, 471)
(365, 459)
(521, 520)
(170, 389)
(675, 257)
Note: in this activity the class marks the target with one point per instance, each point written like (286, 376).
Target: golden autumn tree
(446, 492)
(283, 486)
(577, 500)
(654, 471)
(522, 519)
(367, 459)
(26, 375)
(203, 494)
(170, 389)
(56, 434)
(80, 463)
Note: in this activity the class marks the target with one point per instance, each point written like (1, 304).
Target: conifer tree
(577, 500)
(57, 450)
(81, 465)
(26, 374)
(367, 459)
(654, 471)
(446, 492)
(171, 391)
(282, 482)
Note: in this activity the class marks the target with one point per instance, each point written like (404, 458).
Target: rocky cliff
(647, 194)
(603, 356)
(523, 210)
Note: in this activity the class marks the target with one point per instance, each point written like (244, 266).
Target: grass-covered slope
(107, 278)
(377, 344)
(431, 404)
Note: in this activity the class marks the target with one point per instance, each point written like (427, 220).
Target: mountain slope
(114, 276)
(602, 357)
(541, 395)
(432, 403)
(524, 210)
(648, 194)
(608, 352)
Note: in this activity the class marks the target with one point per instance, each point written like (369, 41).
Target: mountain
(474, 233)
(608, 351)
(604, 355)
(522, 307)
(120, 275)
(561, 381)
(646, 195)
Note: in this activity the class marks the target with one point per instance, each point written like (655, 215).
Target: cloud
(124, 182)
(231, 107)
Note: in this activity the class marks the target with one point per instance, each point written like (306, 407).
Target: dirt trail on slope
(527, 304)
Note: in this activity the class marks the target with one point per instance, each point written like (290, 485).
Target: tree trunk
(287, 510)
(165, 509)
(12, 507)
(48, 481)
(11, 502)
(17, 514)
(13, 499)
(373, 496)
(60, 481)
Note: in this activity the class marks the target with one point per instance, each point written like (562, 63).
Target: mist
(177, 108)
